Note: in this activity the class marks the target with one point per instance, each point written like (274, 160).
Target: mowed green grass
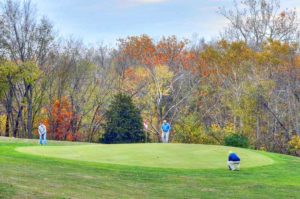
(183, 156)
(25, 175)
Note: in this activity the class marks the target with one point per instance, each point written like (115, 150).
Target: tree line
(245, 83)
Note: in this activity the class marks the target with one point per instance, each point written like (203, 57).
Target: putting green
(187, 156)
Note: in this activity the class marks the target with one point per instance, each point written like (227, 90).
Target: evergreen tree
(124, 122)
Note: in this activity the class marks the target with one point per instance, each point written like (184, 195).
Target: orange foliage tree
(59, 120)
(170, 51)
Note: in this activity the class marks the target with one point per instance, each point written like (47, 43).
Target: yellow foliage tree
(2, 124)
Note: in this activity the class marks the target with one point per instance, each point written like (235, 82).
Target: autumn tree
(24, 39)
(246, 86)
(256, 21)
(159, 76)
(59, 122)
(10, 75)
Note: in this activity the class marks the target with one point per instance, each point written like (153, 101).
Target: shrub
(123, 122)
(70, 137)
(186, 131)
(236, 140)
(294, 145)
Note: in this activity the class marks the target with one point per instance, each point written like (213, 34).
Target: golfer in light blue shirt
(165, 128)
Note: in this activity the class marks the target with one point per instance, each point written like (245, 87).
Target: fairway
(81, 170)
(186, 156)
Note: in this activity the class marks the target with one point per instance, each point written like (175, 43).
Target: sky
(107, 20)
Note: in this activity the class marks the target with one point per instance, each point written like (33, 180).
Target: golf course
(81, 170)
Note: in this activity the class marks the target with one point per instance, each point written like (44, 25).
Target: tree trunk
(234, 124)
(91, 128)
(258, 131)
(16, 130)
(7, 125)
(8, 111)
(29, 107)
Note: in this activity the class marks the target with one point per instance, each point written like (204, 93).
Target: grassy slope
(24, 175)
(153, 155)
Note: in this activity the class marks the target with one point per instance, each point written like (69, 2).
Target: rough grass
(30, 176)
(152, 155)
